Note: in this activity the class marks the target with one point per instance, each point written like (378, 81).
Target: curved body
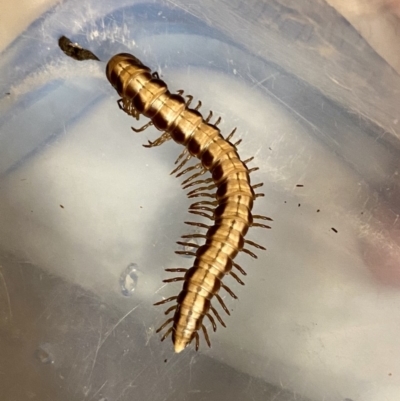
(231, 206)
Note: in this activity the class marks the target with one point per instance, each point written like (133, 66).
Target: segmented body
(229, 207)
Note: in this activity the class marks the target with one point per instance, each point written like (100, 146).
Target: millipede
(227, 194)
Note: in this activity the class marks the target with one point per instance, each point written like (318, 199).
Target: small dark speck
(165, 360)
(299, 185)
(299, 205)
(141, 207)
(8, 93)
(23, 179)
(61, 206)
(362, 212)
(269, 148)
(390, 374)
(334, 229)
(31, 211)
(284, 202)
(318, 210)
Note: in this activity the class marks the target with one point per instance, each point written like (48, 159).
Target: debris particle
(61, 206)
(74, 50)
(334, 229)
(165, 360)
(318, 210)
(299, 185)
(299, 205)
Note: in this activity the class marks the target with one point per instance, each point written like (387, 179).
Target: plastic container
(89, 218)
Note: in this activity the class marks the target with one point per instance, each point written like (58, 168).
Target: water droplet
(129, 279)
(43, 354)
(149, 334)
(86, 390)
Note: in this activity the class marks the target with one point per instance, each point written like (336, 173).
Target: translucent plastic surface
(89, 218)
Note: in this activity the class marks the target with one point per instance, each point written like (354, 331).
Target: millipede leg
(229, 137)
(178, 270)
(127, 107)
(192, 244)
(235, 265)
(209, 117)
(260, 217)
(189, 101)
(173, 280)
(237, 143)
(218, 121)
(198, 106)
(260, 225)
(194, 236)
(168, 332)
(253, 255)
(229, 291)
(254, 244)
(184, 161)
(260, 184)
(222, 303)
(186, 253)
(183, 153)
(248, 160)
(260, 195)
(196, 336)
(149, 124)
(201, 172)
(198, 182)
(206, 188)
(165, 324)
(236, 277)
(217, 316)
(205, 194)
(164, 301)
(208, 209)
(213, 324)
(196, 166)
(170, 309)
(206, 335)
(159, 141)
(193, 223)
(250, 170)
(201, 213)
(205, 202)
(155, 75)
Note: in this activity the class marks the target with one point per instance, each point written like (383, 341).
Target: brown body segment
(231, 206)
